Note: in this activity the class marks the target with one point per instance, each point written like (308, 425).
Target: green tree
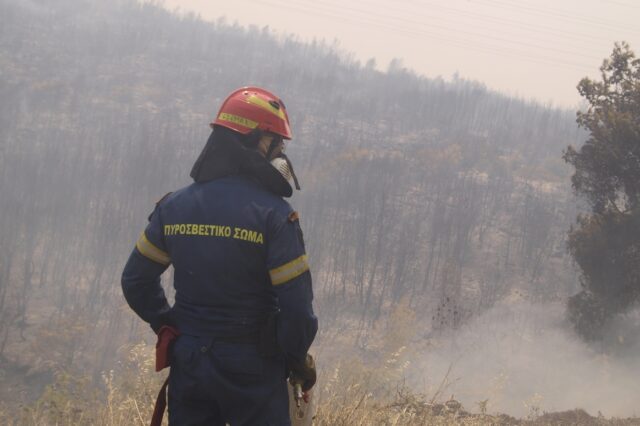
(605, 243)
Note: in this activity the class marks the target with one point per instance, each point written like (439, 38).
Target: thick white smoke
(523, 359)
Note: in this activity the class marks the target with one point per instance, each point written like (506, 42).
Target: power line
(457, 31)
(540, 29)
(574, 18)
(446, 38)
(619, 3)
(565, 34)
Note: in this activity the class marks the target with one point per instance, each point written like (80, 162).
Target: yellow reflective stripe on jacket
(259, 102)
(289, 271)
(148, 250)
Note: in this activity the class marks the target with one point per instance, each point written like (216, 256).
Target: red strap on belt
(166, 336)
(161, 404)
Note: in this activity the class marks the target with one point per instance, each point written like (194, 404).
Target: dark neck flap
(225, 155)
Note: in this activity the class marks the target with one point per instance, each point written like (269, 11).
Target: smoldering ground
(524, 360)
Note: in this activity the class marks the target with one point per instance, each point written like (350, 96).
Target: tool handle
(298, 394)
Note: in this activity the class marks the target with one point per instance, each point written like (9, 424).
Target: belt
(247, 338)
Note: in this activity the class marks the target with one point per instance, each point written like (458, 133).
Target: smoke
(35, 7)
(524, 360)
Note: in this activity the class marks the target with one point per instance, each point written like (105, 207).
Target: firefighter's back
(216, 234)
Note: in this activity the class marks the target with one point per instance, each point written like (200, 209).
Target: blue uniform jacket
(238, 256)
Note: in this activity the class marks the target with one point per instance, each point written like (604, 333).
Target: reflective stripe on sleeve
(148, 250)
(289, 271)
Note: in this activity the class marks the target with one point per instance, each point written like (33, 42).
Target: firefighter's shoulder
(158, 203)
(163, 198)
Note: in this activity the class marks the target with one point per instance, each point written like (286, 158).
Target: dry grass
(349, 395)
(361, 389)
(122, 398)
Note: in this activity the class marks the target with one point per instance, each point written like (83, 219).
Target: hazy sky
(532, 48)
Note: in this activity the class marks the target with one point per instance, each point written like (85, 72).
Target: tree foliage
(606, 242)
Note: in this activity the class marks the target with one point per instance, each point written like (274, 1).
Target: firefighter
(243, 294)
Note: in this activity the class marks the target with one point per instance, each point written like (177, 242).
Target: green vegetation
(606, 242)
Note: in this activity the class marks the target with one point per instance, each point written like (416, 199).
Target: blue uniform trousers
(213, 382)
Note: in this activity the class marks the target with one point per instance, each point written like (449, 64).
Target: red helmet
(249, 108)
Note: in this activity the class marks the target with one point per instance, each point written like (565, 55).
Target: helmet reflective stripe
(250, 108)
(266, 106)
(236, 119)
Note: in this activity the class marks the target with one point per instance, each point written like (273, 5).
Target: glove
(303, 374)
